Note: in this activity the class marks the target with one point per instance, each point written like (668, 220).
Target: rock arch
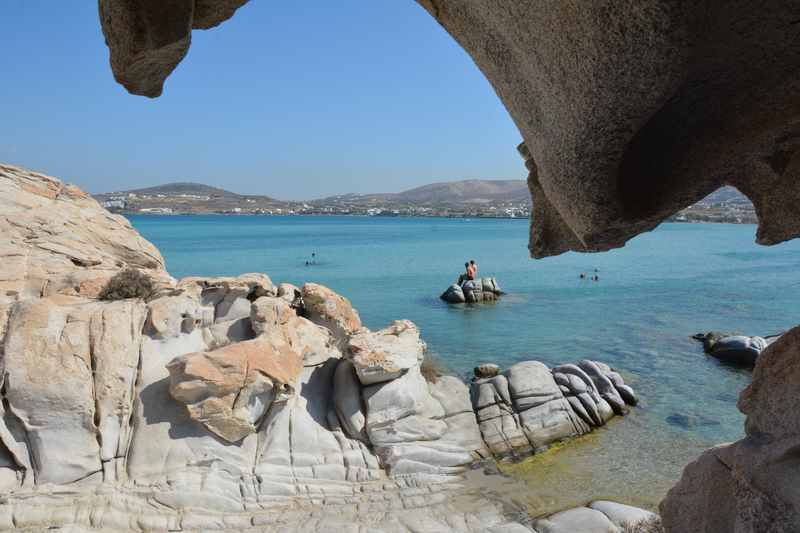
(629, 111)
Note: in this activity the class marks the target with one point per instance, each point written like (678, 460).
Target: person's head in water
(583, 276)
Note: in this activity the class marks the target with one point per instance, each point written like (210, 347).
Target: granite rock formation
(230, 404)
(629, 112)
(480, 290)
(750, 486)
(734, 349)
(527, 407)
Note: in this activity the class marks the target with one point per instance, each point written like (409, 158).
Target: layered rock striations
(230, 404)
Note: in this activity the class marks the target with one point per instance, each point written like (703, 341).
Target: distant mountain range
(448, 192)
(469, 198)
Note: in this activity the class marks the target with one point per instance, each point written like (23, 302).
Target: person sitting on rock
(464, 276)
(472, 270)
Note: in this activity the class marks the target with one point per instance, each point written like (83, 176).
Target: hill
(176, 189)
(444, 193)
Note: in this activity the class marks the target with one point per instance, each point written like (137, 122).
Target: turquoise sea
(652, 295)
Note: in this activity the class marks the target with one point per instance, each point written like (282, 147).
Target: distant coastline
(500, 199)
(697, 218)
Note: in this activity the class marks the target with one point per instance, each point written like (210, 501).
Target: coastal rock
(751, 485)
(347, 401)
(528, 407)
(230, 389)
(472, 291)
(56, 239)
(454, 295)
(68, 371)
(734, 349)
(621, 514)
(597, 517)
(290, 293)
(330, 310)
(486, 370)
(579, 519)
(386, 354)
(216, 405)
(269, 313)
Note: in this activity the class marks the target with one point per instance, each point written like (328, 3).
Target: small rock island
(479, 290)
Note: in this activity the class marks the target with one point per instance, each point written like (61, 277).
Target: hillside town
(465, 199)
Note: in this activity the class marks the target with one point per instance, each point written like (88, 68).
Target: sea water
(652, 295)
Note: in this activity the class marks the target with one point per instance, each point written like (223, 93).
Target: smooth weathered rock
(528, 407)
(347, 401)
(68, 363)
(621, 514)
(386, 354)
(56, 239)
(453, 295)
(545, 415)
(751, 485)
(230, 389)
(704, 499)
(473, 291)
(739, 349)
(577, 520)
(330, 310)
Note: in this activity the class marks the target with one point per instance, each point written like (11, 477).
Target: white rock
(386, 354)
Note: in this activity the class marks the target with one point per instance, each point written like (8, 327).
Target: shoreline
(342, 215)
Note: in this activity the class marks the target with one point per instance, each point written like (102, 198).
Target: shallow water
(652, 295)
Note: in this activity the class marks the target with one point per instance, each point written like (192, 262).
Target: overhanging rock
(629, 111)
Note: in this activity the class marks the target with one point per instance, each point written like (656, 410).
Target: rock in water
(453, 295)
(473, 291)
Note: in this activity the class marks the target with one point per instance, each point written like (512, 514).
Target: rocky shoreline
(233, 403)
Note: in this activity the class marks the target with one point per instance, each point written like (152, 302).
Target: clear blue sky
(344, 96)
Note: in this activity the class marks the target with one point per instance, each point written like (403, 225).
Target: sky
(346, 96)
